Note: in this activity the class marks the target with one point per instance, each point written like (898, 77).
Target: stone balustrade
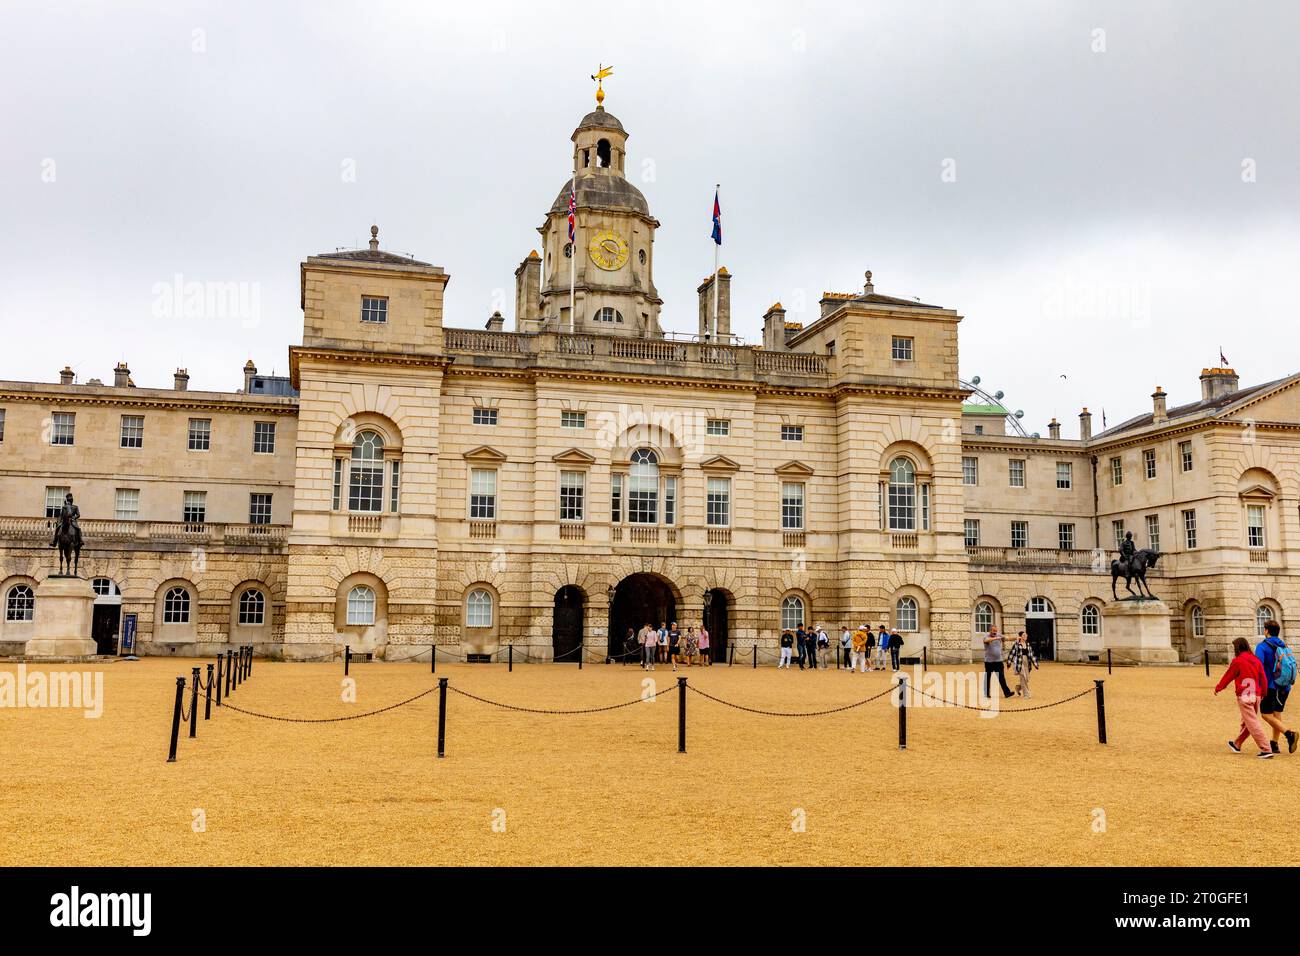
(100, 530)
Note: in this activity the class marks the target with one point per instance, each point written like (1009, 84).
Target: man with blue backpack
(1280, 667)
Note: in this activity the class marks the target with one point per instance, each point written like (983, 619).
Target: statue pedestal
(64, 611)
(1139, 630)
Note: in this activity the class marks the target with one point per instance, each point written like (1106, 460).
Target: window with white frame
(252, 607)
(1090, 620)
(1117, 529)
(485, 416)
(176, 606)
(200, 434)
(983, 617)
(126, 504)
(792, 507)
(132, 432)
(970, 470)
(20, 603)
(105, 587)
(374, 309)
(717, 427)
(791, 433)
(901, 349)
(366, 473)
(336, 494)
(1064, 475)
(1198, 621)
(63, 428)
(573, 495)
(478, 609)
(482, 494)
(1065, 536)
(1117, 471)
(717, 503)
(2, 424)
(902, 495)
(263, 438)
(791, 612)
(54, 495)
(906, 615)
(573, 419)
(1020, 534)
(1149, 462)
(1185, 454)
(1263, 614)
(1016, 472)
(259, 508)
(643, 488)
(1153, 532)
(1255, 535)
(972, 532)
(1189, 528)
(361, 605)
(194, 507)
(670, 500)
(616, 499)
(609, 315)
(394, 485)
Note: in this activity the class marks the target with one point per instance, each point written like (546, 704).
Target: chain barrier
(1000, 710)
(540, 710)
(778, 713)
(330, 720)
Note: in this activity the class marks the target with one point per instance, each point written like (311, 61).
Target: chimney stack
(181, 382)
(1160, 412)
(1217, 382)
(1085, 425)
(496, 323)
(1053, 429)
(249, 371)
(121, 375)
(774, 328)
(67, 376)
(528, 293)
(722, 331)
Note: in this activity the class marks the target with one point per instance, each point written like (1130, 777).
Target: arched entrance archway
(717, 619)
(639, 599)
(566, 623)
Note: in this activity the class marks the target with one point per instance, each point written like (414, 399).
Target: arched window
(361, 605)
(1039, 606)
(252, 607)
(791, 612)
(906, 617)
(105, 587)
(1091, 620)
(20, 603)
(478, 609)
(608, 314)
(1263, 614)
(1198, 621)
(643, 488)
(602, 153)
(176, 606)
(983, 617)
(366, 476)
(902, 495)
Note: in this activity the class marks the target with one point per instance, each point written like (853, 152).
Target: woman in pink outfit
(1248, 673)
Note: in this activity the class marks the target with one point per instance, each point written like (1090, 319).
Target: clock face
(608, 250)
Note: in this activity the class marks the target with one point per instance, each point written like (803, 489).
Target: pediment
(484, 453)
(1257, 491)
(795, 469)
(719, 463)
(574, 456)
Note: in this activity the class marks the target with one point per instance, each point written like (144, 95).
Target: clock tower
(611, 260)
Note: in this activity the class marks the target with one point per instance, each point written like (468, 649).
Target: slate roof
(1208, 407)
(377, 256)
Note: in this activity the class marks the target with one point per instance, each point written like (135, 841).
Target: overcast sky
(1106, 191)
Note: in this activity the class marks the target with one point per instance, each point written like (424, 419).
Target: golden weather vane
(602, 71)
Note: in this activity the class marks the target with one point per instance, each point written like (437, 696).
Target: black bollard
(347, 658)
(442, 716)
(176, 718)
(925, 658)
(902, 713)
(510, 663)
(230, 673)
(681, 715)
(433, 658)
(219, 679)
(754, 666)
(731, 655)
(1108, 663)
(1101, 712)
(582, 652)
(1207, 662)
(194, 703)
(250, 660)
(207, 707)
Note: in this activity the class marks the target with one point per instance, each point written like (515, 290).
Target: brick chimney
(496, 323)
(1085, 425)
(181, 381)
(774, 328)
(1217, 382)
(1160, 411)
(1053, 429)
(67, 376)
(249, 371)
(705, 290)
(121, 375)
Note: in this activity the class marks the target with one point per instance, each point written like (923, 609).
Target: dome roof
(599, 119)
(609, 192)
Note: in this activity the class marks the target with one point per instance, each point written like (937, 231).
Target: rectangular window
(374, 309)
(263, 438)
(791, 433)
(200, 434)
(63, 428)
(194, 508)
(1185, 454)
(972, 533)
(482, 494)
(571, 419)
(54, 500)
(670, 500)
(902, 349)
(643, 498)
(1153, 532)
(1149, 460)
(366, 485)
(616, 499)
(132, 431)
(1117, 527)
(395, 488)
(259, 508)
(485, 416)
(126, 507)
(902, 506)
(338, 484)
(1117, 471)
(1020, 534)
(1189, 528)
(1065, 536)
(1064, 475)
(1016, 472)
(792, 497)
(718, 502)
(718, 427)
(1255, 526)
(970, 471)
(2, 424)
(573, 495)
(925, 507)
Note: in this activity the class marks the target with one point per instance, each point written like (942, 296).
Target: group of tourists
(1270, 667)
(666, 644)
(862, 650)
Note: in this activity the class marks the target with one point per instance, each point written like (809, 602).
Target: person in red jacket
(1248, 673)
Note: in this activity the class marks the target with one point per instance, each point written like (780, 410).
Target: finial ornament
(602, 71)
(374, 237)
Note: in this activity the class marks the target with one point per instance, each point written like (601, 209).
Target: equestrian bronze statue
(67, 537)
(1133, 565)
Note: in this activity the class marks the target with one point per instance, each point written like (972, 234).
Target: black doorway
(1041, 632)
(716, 622)
(639, 599)
(104, 627)
(566, 624)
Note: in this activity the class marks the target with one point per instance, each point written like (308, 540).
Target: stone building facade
(414, 482)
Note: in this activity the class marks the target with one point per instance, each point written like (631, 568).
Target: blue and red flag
(573, 202)
(717, 219)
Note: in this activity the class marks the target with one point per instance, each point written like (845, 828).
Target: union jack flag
(573, 204)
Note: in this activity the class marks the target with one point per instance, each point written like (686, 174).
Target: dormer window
(374, 309)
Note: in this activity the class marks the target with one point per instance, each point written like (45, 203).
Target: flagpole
(717, 248)
(573, 252)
